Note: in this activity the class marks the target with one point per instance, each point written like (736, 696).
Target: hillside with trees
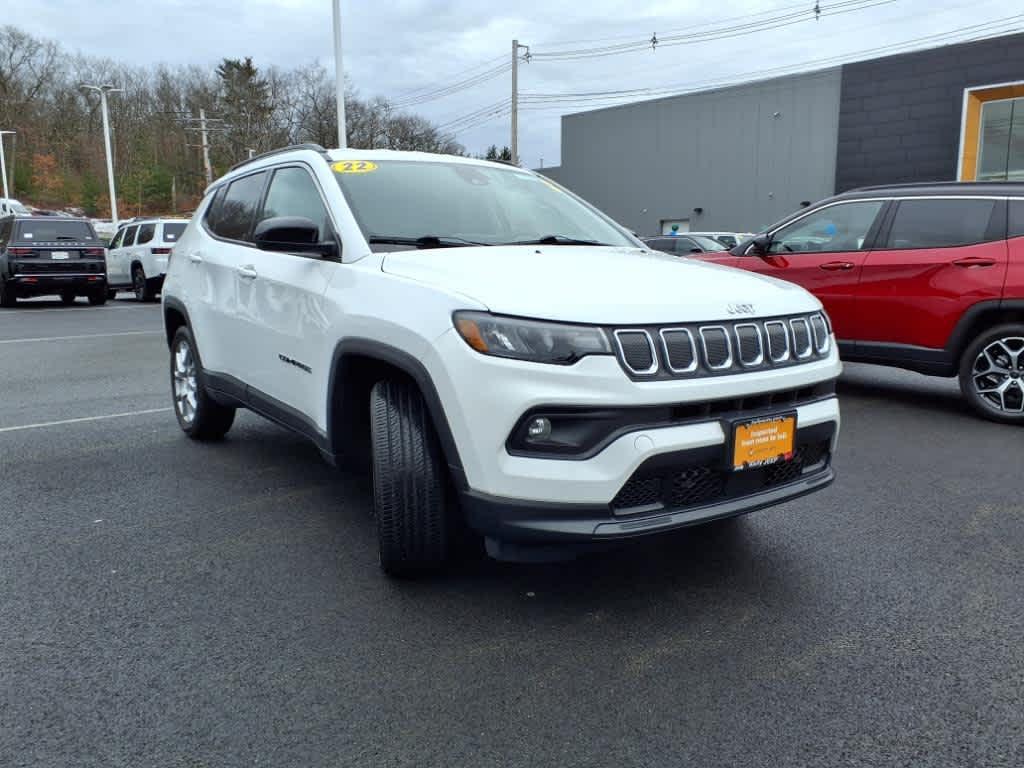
(57, 156)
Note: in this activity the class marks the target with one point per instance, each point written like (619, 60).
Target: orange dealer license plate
(760, 442)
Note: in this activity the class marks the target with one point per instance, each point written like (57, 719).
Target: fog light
(538, 429)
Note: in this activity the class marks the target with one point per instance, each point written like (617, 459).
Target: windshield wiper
(426, 241)
(557, 240)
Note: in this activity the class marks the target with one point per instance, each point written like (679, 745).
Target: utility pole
(204, 126)
(339, 76)
(3, 162)
(174, 194)
(514, 143)
(103, 91)
(206, 147)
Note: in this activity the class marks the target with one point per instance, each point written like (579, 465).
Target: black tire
(204, 419)
(410, 483)
(992, 373)
(111, 294)
(67, 298)
(142, 287)
(7, 296)
(98, 297)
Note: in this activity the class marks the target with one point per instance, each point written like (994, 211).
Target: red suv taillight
(161, 251)
(94, 252)
(20, 251)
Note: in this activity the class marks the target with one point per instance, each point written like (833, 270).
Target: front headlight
(534, 340)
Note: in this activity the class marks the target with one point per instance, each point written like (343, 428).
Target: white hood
(597, 285)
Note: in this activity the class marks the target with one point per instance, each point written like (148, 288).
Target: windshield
(18, 207)
(48, 229)
(173, 231)
(451, 203)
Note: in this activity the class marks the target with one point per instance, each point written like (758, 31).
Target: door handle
(195, 257)
(974, 261)
(248, 272)
(835, 266)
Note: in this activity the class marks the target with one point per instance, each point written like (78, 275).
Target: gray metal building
(741, 157)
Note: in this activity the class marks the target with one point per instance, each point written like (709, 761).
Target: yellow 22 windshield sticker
(354, 166)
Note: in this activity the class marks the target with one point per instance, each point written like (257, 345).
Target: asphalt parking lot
(166, 603)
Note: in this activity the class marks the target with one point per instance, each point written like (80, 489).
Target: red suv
(926, 277)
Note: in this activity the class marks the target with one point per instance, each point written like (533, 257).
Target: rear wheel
(7, 297)
(111, 294)
(67, 298)
(199, 415)
(992, 373)
(98, 297)
(410, 498)
(140, 285)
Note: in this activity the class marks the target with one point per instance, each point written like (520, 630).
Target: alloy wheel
(185, 388)
(998, 374)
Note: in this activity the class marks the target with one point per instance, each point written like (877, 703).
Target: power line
(537, 101)
(687, 29)
(718, 33)
(452, 88)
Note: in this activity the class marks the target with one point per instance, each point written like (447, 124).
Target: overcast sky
(394, 46)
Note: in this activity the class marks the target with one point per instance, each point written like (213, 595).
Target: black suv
(42, 256)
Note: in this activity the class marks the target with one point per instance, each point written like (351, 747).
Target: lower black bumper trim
(542, 522)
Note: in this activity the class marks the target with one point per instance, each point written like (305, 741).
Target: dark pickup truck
(51, 256)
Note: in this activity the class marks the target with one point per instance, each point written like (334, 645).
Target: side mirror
(293, 234)
(759, 245)
(696, 250)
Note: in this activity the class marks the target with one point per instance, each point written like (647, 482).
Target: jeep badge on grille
(739, 309)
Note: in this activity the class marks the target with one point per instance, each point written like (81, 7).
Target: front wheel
(992, 373)
(414, 523)
(199, 415)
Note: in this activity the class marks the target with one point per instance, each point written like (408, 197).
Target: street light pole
(103, 91)
(3, 162)
(339, 76)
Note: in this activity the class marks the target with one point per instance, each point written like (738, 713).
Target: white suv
(501, 353)
(137, 256)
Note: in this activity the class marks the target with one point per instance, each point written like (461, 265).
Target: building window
(1001, 150)
(992, 136)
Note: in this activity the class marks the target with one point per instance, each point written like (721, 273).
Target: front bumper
(512, 521)
(483, 399)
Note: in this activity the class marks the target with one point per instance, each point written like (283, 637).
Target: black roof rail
(278, 151)
(934, 184)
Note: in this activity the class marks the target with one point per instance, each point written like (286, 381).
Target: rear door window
(237, 211)
(940, 223)
(173, 230)
(146, 232)
(1015, 227)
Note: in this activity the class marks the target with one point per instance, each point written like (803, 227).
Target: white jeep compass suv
(499, 352)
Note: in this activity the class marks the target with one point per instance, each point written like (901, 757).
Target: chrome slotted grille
(680, 351)
(709, 349)
(637, 351)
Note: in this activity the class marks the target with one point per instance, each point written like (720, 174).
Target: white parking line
(83, 419)
(82, 336)
(28, 312)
